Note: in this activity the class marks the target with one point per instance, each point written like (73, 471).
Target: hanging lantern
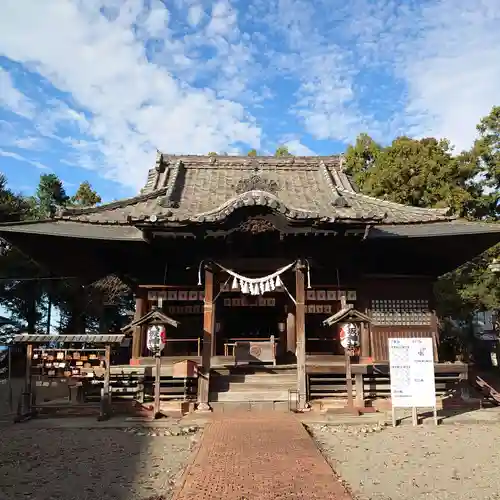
(156, 338)
(349, 335)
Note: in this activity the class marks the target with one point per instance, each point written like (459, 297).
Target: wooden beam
(208, 339)
(141, 304)
(300, 335)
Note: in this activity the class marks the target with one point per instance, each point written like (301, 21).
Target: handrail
(198, 341)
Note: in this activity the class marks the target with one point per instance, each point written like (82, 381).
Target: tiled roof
(208, 189)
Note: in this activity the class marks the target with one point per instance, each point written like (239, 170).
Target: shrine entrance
(250, 319)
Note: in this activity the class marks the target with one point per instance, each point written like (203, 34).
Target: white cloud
(132, 105)
(195, 15)
(325, 100)
(223, 21)
(443, 52)
(130, 78)
(157, 19)
(453, 69)
(298, 149)
(12, 99)
(18, 157)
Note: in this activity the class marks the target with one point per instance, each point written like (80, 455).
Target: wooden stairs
(253, 387)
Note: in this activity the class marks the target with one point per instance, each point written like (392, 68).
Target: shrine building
(259, 261)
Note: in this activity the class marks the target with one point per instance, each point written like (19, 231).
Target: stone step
(224, 384)
(239, 406)
(245, 386)
(251, 396)
(261, 377)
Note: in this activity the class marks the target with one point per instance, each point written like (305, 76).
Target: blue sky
(90, 88)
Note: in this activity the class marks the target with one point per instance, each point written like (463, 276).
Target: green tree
(13, 207)
(487, 147)
(85, 196)
(426, 173)
(252, 152)
(421, 173)
(18, 296)
(282, 151)
(212, 153)
(50, 195)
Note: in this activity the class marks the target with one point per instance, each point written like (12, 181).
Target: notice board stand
(412, 375)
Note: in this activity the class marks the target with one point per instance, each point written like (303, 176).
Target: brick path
(259, 457)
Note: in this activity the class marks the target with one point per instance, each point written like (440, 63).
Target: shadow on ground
(50, 460)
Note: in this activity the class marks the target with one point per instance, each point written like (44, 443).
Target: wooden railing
(229, 346)
(198, 341)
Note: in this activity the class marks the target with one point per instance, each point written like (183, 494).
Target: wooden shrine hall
(251, 257)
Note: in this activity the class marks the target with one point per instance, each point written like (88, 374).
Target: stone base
(346, 410)
(203, 408)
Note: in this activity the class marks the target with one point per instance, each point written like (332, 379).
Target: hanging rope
(256, 286)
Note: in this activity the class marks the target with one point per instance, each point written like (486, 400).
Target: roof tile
(200, 188)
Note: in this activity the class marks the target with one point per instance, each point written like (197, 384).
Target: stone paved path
(259, 457)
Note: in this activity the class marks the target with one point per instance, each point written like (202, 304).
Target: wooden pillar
(208, 339)
(300, 336)
(141, 303)
(290, 334)
(106, 399)
(365, 340)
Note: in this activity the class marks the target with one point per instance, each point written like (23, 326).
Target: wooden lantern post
(300, 339)
(347, 315)
(208, 339)
(155, 319)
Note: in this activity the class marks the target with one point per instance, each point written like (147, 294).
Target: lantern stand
(156, 323)
(349, 320)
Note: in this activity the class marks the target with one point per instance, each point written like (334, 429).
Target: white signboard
(412, 373)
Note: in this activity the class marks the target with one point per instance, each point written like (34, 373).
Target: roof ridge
(440, 211)
(112, 204)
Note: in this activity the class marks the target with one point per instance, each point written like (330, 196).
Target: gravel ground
(97, 464)
(458, 462)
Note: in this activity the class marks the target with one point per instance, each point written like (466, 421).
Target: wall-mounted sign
(177, 295)
(250, 302)
(330, 295)
(185, 309)
(319, 308)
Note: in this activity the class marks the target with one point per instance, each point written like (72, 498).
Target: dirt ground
(458, 462)
(90, 464)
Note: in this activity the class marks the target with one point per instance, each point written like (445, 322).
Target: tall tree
(18, 296)
(50, 195)
(426, 173)
(422, 173)
(85, 196)
(13, 207)
(487, 147)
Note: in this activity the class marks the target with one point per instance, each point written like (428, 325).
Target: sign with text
(412, 373)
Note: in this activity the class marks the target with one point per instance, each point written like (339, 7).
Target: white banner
(412, 373)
